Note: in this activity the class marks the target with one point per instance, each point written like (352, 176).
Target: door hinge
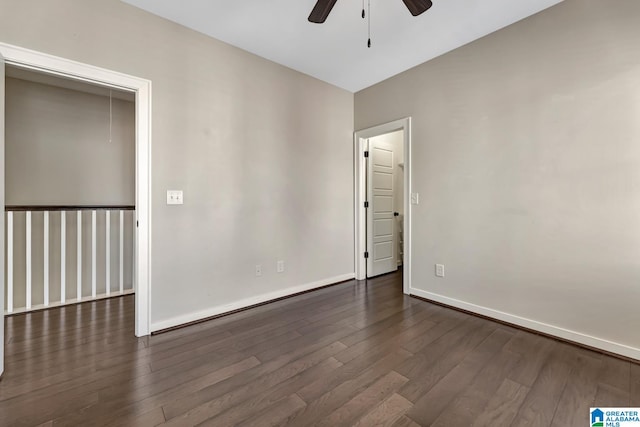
(366, 254)
(137, 224)
(366, 204)
(366, 154)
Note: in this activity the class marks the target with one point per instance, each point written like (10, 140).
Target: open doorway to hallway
(69, 190)
(382, 188)
(141, 88)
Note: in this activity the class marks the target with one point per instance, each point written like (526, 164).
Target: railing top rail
(54, 208)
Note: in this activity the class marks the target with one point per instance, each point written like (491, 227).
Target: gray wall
(526, 158)
(263, 153)
(58, 149)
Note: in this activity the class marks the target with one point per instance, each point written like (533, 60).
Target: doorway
(69, 191)
(50, 65)
(382, 188)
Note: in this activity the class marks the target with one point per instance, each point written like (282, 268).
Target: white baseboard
(599, 343)
(248, 302)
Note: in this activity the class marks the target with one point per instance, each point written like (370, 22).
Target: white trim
(79, 256)
(25, 58)
(121, 253)
(9, 284)
(94, 285)
(107, 252)
(28, 253)
(45, 278)
(360, 237)
(535, 325)
(63, 257)
(248, 302)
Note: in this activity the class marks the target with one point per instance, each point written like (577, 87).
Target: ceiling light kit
(322, 9)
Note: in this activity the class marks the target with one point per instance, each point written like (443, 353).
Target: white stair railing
(24, 286)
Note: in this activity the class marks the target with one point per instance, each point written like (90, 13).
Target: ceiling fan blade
(321, 11)
(416, 7)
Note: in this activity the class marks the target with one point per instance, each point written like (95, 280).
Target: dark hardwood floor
(359, 353)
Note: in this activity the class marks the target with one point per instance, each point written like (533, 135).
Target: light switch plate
(174, 197)
(415, 198)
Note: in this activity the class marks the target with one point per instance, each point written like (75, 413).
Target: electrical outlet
(258, 270)
(440, 270)
(280, 266)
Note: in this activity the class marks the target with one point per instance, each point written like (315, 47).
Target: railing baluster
(93, 254)
(31, 264)
(121, 251)
(46, 259)
(9, 262)
(79, 257)
(107, 250)
(28, 264)
(63, 257)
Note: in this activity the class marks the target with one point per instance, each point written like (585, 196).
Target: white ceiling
(336, 51)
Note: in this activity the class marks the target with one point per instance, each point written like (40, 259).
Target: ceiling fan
(323, 7)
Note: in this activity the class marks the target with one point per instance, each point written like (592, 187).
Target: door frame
(360, 192)
(61, 67)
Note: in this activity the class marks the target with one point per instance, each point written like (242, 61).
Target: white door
(2, 204)
(381, 244)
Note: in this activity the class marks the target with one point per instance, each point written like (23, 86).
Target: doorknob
(396, 214)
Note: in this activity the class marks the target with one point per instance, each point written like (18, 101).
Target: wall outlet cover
(174, 197)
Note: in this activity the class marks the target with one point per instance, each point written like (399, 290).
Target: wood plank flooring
(355, 354)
